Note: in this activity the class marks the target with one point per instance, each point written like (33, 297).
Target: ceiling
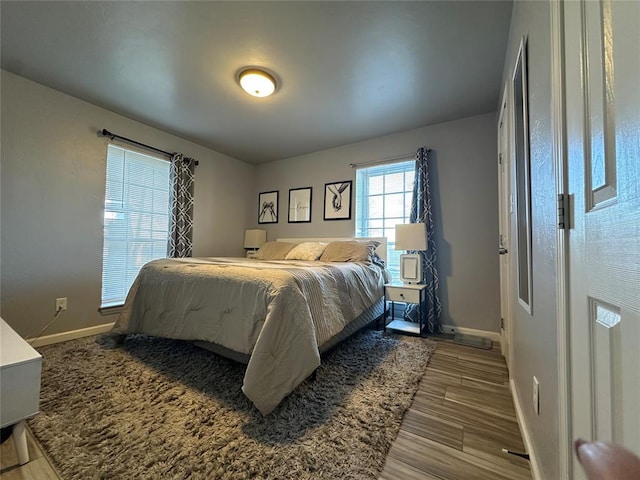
(347, 71)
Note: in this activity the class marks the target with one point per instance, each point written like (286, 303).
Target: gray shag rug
(165, 409)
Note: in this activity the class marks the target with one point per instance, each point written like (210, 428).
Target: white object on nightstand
(411, 236)
(407, 293)
(20, 368)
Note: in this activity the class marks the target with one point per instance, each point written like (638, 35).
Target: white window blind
(383, 199)
(136, 219)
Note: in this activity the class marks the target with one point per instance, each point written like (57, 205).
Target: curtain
(421, 213)
(181, 201)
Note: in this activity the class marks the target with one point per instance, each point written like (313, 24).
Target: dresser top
(14, 350)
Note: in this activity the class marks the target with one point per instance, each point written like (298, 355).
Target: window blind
(136, 219)
(383, 199)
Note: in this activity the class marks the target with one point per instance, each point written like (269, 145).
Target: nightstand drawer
(402, 294)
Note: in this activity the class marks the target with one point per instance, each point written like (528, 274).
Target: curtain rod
(107, 133)
(396, 158)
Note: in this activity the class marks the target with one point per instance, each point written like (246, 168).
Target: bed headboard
(381, 249)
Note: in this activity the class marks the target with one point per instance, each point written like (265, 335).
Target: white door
(504, 202)
(602, 91)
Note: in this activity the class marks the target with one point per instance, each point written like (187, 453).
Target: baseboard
(524, 430)
(72, 335)
(493, 336)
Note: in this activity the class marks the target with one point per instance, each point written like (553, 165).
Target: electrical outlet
(61, 304)
(536, 395)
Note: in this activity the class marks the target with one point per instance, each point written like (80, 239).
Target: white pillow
(274, 250)
(350, 251)
(306, 251)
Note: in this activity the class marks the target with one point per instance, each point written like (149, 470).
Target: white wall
(464, 190)
(52, 200)
(535, 338)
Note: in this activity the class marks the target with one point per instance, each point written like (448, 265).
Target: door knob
(502, 251)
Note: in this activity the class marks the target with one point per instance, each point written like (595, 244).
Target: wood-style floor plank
(489, 386)
(448, 463)
(482, 400)
(436, 376)
(467, 417)
(9, 456)
(395, 469)
(38, 468)
(465, 390)
(482, 443)
(499, 373)
(427, 426)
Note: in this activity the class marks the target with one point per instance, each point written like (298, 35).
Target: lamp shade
(254, 238)
(411, 236)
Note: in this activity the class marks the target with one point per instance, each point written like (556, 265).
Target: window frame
(145, 237)
(388, 223)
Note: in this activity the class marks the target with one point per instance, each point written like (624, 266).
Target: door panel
(602, 69)
(504, 194)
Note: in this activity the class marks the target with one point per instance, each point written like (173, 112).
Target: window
(136, 219)
(383, 199)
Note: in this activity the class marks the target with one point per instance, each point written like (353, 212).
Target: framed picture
(268, 207)
(300, 205)
(337, 200)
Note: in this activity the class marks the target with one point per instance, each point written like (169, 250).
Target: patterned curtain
(421, 213)
(181, 228)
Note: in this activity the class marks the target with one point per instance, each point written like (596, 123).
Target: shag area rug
(165, 409)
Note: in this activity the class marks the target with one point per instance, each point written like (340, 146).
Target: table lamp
(411, 236)
(254, 239)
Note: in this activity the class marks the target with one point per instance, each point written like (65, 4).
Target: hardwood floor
(38, 467)
(460, 419)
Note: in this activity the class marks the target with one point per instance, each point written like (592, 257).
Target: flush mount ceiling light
(257, 82)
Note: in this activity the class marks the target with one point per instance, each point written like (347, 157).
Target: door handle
(502, 251)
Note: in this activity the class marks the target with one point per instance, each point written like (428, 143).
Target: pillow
(274, 250)
(349, 251)
(306, 251)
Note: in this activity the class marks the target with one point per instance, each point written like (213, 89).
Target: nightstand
(407, 293)
(20, 367)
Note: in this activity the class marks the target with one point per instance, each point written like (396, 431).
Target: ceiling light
(257, 82)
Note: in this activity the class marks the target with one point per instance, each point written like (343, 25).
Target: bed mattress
(278, 313)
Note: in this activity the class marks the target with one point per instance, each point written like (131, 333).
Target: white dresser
(20, 367)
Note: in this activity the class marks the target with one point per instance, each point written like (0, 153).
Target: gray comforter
(279, 312)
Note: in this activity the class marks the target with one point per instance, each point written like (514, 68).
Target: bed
(276, 313)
